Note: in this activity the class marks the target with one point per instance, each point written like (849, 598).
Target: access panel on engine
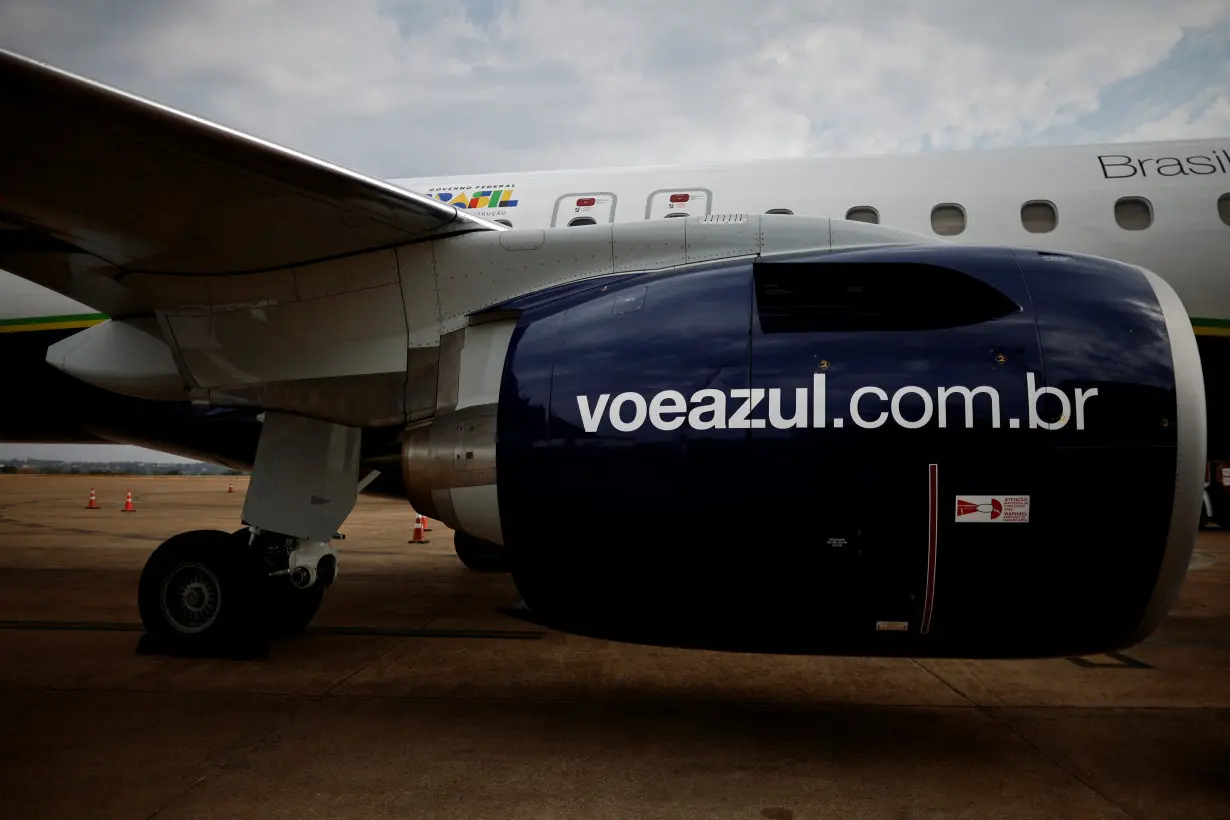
(890, 386)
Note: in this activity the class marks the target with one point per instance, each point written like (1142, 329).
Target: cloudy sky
(400, 89)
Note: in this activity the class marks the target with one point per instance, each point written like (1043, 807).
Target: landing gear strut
(208, 591)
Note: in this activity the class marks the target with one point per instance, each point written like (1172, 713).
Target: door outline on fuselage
(610, 217)
(708, 199)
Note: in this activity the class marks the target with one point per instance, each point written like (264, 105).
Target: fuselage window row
(1132, 213)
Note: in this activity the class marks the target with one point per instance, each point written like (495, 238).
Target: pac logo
(1012, 509)
(489, 198)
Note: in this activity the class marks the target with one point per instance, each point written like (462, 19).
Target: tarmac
(411, 696)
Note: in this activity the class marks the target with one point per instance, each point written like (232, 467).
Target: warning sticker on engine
(1010, 509)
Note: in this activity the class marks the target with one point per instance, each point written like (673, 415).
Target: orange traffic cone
(230, 486)
(417, 538)
(128, 503)
(426, 524)
(93, 505)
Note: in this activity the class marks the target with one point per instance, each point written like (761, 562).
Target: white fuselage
(1180, 183)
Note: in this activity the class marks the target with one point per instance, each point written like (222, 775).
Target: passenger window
(582, 220)
(948, 219)
(1039, 216)
(503, 222)
(674, 214)
(780, 211)
(1133, 213)
(864, 213)
(1223, 208)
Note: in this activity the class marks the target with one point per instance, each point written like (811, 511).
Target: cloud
(406, 89)
(1187, 119)
(401, 89)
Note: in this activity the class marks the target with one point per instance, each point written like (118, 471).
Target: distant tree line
(38, 466)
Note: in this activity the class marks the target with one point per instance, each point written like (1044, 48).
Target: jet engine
(928, 450)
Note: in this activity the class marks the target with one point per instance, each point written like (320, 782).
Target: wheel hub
(191, 596)
(195, 595)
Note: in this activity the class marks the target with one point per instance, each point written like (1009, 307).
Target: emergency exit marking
(1001, 509)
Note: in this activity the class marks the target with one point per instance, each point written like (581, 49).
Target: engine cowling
(931, 450)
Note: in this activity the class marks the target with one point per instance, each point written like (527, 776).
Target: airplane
(962, 393)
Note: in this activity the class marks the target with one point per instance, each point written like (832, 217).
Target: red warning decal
(994, 509)
(1004, 509)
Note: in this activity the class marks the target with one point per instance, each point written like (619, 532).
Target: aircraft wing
(97, 185)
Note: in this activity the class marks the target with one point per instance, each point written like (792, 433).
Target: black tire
(479, 555)
(196, 591)
(287, 609)
(284, 609)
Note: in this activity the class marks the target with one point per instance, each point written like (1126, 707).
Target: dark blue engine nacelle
(928, 450)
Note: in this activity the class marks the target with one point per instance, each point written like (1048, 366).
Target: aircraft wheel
(196, 591)
(479, 555)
